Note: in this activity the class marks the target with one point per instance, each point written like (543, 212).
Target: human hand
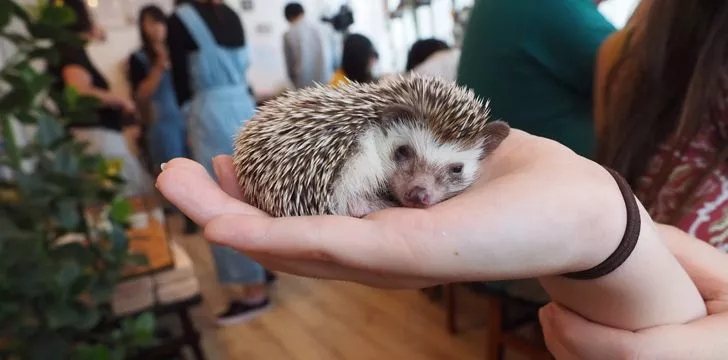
(162, 59)
(569, 336)
(478, 235)
(125, 105)
(132, 132)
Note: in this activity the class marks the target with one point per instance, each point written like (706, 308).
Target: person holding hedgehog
(416, 187)
(575, 214)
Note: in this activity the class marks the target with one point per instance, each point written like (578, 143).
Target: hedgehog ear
(493, 135)
(399, 112)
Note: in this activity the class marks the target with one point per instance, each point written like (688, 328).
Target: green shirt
(535, 61)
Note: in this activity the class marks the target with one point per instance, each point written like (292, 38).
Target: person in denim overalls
(209, 62)
(152, 84)
(153, 90)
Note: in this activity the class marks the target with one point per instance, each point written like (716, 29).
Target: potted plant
(58, 269)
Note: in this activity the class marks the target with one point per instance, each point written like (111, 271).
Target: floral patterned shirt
(706, 214)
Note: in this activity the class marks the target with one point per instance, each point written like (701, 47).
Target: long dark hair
(423, 49)
(665, 82)
(358, 52)
(156, 14)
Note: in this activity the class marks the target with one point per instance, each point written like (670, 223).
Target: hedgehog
(405, 141)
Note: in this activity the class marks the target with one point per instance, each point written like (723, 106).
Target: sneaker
(239, 311)
(270, 278)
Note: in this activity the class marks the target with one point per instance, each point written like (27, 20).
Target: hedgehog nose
(418, 195)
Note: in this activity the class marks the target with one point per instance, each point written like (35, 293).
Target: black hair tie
(629, 240)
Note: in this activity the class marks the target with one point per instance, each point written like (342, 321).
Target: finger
(187, 185)
(710, 273)
(356, 243)
(226, 178)
(570, 336)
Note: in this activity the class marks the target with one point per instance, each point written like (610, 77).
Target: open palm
(538, 210)
(414, 248)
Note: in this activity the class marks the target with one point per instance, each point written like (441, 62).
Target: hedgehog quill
(408, 141)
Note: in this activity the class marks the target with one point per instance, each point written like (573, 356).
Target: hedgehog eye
(403, 153)
(456, 169)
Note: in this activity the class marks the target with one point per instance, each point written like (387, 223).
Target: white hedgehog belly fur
(372, 166)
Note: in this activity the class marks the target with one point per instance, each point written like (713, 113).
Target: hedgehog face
(423, 172)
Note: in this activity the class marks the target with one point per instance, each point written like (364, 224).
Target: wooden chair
(501, 324)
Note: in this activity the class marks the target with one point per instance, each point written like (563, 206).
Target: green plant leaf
(73, 252)
(49, 54)
(16, 38)
(62, 315)
(120, 210)
(101, 291)
(92, 352)
(39, 82)
(6, 13)
(25, 118)
(49, 130)
(36, 191)
(7, 308)
(66, 160)
(20, 12)
(19, 98)
(143, 331)
(50, 346)
(119, 240)
(57, 15)
(68, 214)
(71, 97)
(68, 274)
(118, 353)
(144, 323)
(88, 319)
(11, 147)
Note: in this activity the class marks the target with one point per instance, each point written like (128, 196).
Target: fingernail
(163, 166)
(545, 313)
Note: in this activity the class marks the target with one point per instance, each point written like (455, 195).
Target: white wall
(265, 25)
(618, 11)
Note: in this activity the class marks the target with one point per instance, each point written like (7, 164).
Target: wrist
(159, 66)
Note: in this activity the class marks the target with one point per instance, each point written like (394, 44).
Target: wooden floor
(326, 320)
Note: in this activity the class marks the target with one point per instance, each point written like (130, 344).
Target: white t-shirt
(442, 63)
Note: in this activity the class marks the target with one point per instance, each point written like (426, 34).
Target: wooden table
(148, 235)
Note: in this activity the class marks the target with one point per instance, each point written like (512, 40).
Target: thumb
(188, 186)
(570, 336)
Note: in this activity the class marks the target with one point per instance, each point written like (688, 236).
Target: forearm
(563, 234)
(150, 84)
(649, 289)
(106, 97)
